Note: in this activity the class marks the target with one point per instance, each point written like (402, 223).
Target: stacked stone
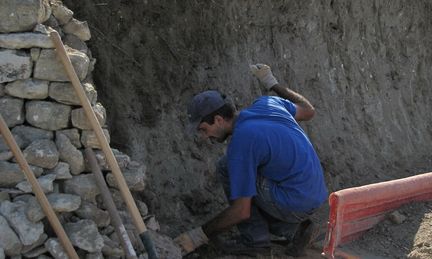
(47, 121)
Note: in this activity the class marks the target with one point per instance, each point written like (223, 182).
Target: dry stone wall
(44, 115)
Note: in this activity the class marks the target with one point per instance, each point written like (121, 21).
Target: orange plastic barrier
(355, 210)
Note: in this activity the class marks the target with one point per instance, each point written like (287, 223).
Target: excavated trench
(365, 65)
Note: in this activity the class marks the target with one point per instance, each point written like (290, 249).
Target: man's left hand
(191, 240)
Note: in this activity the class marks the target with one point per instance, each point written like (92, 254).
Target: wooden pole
(112, 162)
(40, 195)
(109, 203)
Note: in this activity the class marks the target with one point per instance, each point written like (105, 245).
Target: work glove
(264, 75)
(191, 240)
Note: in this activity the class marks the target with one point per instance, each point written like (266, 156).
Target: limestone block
(25, 40)
(60, 202)
(45, 182)
(89, 210)
(12, 110)
(61, 171)
(79, 118)
(70, 154)
(88, 138)
(9, 241)
(84, 234)
(83, 185)
(42, 153)
(11, 174)
(55, 248)
(135, 178)
(28, 134)
(27, 231)
(65, 93)
(14, 64)
(49, 67)
(28, 89)
(76, 43)
(73, 135)
(78, 28)
(47, 115)
(62, 13)
(22, 15)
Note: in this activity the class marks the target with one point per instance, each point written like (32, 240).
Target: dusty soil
(365, 65)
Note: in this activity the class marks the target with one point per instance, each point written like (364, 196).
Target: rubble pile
(44, 115)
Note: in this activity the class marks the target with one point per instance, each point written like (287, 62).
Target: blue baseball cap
(202, 105)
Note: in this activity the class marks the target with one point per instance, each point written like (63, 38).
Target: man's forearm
(234, 214)
(294, 97)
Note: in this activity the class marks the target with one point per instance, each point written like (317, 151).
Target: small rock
(12, 109)
(73, 135)
(55, 248)
(396, 217)
(45, 182)
(152, 223)
(89, 210)
(28, 232)
(78, 28)
(97, 255)
(65, 93)
(61, 13)
(79, 118)
(25, 40)
(70, 154)
(35, 53)
(89, 139)
(11, 174)
(135, 178)
(42, 153)
(28, 89)
(14, 65)
(83, 185)
(20, 16)
(36, 244)
(112, 248)
(9, 241)
(47, 115)
(76, 43)
(36, 252)
(84, 234)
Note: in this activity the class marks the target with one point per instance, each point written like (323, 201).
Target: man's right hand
(264, 75)
(191, 240)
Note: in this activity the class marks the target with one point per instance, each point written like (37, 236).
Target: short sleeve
(289, 106)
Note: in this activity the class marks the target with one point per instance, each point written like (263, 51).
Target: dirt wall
(365, 65)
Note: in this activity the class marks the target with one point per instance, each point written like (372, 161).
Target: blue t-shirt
(267, 140)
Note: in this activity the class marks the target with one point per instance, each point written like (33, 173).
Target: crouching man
(271, 172)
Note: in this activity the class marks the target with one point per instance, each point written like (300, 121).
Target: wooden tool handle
(40, 195)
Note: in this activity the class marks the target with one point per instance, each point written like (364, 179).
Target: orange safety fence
(355, 210)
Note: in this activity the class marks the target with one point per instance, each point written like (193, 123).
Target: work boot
(238, 246)
(302, 238)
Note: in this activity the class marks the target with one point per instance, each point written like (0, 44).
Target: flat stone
(78, 28)
(36, 252)
(25, 40)
(27, 231)
(84, 234)
(88, 210)
(60, 202)
(65, 93)
(14, 65)
(79, 118)
(40, 241)
(12, 110)
(61, 13)
(49, 67)
(45, 182)
(76, 43)
(142, 207)
(70, 154)
(22, 15)
(73, 135)
(83, 185)
(28, 89)
(89, 139)
(47, 115)
(11, 174)
(135, 178)
(42, 153)
(55, 248)
(9, 241)
(28, 134)
(123, 160)
(61, 171)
